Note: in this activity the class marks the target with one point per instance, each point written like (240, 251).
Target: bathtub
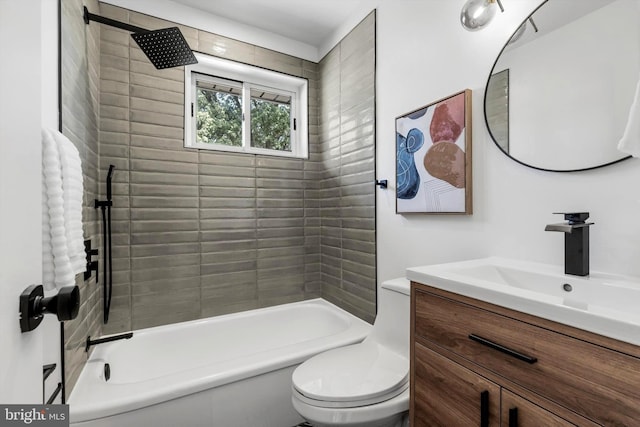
(226, 371)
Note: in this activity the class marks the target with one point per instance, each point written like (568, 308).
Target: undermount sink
(601, 303)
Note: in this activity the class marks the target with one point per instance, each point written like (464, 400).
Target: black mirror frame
(486, 121)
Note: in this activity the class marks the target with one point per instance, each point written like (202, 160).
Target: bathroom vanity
(476, 363)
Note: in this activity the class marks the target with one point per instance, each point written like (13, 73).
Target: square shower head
(165, 48)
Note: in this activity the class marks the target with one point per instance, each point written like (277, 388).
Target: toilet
(365, 384)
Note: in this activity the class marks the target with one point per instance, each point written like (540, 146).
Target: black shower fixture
(107, 273)
(165, 48)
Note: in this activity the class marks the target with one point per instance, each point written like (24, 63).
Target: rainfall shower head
(165, 48)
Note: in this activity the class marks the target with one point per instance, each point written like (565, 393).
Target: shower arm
(165, 48)
(88, 17)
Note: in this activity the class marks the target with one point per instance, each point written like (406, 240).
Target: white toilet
(366, 384)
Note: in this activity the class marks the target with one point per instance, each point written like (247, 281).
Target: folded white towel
(630, 141)
(62, 212)
(73, 189)
(48, 275)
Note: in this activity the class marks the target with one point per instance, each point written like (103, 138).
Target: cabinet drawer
(598, 383)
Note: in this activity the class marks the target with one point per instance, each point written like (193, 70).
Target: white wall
(20, 190)
(423, 55)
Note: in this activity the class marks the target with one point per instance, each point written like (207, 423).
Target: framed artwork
(433, 158)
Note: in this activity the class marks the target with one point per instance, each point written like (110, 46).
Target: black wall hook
(382, 183)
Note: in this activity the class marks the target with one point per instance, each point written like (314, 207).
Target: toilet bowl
(365, 384)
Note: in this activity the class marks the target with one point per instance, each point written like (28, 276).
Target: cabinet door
(447, 394)
(518, 412)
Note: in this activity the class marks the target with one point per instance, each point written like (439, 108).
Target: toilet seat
(357, 375)
(345, 404)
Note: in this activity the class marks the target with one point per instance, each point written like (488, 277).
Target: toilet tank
(391, 327)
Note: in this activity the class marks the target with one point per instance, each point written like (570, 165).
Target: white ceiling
(308, 21)
(308, 29)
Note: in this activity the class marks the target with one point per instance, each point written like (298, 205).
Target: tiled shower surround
(203, 233)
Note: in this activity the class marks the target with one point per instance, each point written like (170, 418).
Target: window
(231, 106)
(218, 111)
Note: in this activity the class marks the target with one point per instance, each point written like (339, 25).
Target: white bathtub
(226, 371)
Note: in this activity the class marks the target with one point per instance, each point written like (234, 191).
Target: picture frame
(433, 158)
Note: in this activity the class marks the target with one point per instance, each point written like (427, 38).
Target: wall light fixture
(476, 14)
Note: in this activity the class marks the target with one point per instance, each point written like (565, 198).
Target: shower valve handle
(34, 305)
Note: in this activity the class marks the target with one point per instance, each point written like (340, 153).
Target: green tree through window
(219, 117)
(270, 125)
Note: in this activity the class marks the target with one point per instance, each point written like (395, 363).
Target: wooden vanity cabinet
(546, 373)
(448, 394)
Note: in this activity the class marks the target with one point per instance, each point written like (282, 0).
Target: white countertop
(601, 303)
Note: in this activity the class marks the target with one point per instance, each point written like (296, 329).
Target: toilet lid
(360, 374)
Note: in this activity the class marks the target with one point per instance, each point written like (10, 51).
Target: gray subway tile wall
(347, 123)
(203, 233)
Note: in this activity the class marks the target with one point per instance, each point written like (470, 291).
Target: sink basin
(602, 303)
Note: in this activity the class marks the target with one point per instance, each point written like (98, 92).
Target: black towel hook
(382, 183)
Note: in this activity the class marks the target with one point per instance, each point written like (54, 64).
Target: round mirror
(559, 93)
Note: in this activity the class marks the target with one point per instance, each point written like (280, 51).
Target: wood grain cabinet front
(447, 394)
(545, 369)
(519, 412)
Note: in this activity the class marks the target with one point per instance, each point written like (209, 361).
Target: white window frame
(251, 77)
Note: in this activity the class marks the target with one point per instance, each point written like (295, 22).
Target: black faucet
(576, 242)
(110, 338)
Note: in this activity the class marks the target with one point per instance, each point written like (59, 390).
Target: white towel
(62, 241)
(48, 275)
(630, 141)
(73, 189)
